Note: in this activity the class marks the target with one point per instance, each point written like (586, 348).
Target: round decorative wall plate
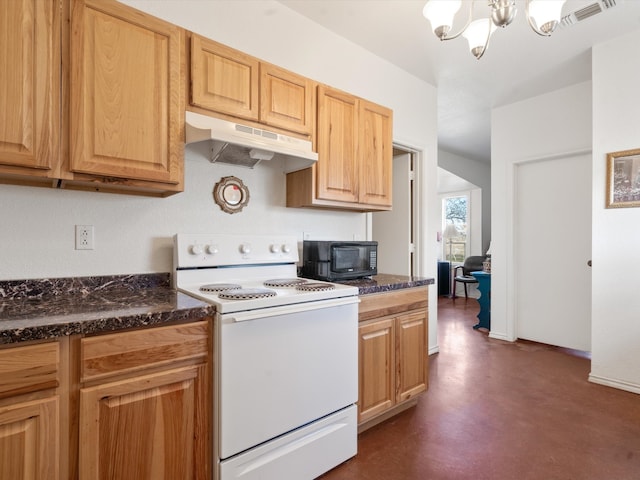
(231, 194)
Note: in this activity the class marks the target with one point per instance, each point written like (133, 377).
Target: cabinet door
(411, 333)
(30, 86)
(376, 366)
(29, 440)
(375, 153)
(126, 119)
(223, 80)
(337, 167)
(286, 99)
(143, 427)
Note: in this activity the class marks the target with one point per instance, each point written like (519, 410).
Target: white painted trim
(619, 384)
(421, 235)
(497, 336)
(555, 156)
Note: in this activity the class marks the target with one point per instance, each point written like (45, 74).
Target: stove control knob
(274, 248)
(196, 249)
(245, 248)
(286, 248)
(212, 249)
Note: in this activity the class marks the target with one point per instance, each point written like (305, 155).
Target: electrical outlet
(84, 237)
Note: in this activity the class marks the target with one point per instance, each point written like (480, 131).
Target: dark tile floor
(500, 411)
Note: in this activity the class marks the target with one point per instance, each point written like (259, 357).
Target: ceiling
(518, 63)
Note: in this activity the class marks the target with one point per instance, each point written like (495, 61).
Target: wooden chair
(471, 264)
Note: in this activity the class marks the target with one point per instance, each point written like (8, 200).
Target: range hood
(242, 145)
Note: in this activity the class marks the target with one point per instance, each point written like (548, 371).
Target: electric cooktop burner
(284, 282)
(219, 287)
(246, 293)
(315, 287)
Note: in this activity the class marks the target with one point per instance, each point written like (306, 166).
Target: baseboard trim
(500, 336)
(388, 414)
(620, 385)
(433, 350)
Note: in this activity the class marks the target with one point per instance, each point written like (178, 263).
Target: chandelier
(543, 17)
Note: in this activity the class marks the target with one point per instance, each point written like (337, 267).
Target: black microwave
(333, 260)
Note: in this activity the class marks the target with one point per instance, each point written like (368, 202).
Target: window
(455, 215)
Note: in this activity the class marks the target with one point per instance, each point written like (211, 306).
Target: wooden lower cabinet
(393, 353)
(29, 440)
(144, 405)
(142, 427)
(376, 389)
(128, 405)
(31, 437)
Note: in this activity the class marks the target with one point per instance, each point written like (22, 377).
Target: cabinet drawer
(29, 368)
(378, 305)
(124, 352)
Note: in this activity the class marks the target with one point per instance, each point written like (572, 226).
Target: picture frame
(623, 179)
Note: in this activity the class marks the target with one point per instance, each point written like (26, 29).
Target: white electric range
(285, 377)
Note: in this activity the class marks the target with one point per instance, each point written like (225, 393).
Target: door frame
(416, 210)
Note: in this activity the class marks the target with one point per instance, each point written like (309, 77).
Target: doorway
(395, 230)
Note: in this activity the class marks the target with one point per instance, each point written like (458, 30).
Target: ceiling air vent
(588, 11)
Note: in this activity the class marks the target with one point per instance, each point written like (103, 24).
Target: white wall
(133, 234)
(556, 123)
(616, 232)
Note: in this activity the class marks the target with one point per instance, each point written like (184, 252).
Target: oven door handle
(289, 309)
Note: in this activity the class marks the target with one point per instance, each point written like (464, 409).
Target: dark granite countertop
(385, 282)
(50, 308)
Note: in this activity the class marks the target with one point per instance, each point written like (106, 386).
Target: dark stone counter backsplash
(54, 307)
(385, 283)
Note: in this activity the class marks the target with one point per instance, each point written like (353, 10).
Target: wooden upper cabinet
(355, 155)
(127, 113)
(286, 99)
(29, 87)
(376, 154)
(232, 83)
(223, 80)
(337, 167)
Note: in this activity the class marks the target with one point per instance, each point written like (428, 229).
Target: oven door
(282, 368)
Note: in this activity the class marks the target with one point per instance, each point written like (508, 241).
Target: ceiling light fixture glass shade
(441, 14)
(478, 34)
(543, 17)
